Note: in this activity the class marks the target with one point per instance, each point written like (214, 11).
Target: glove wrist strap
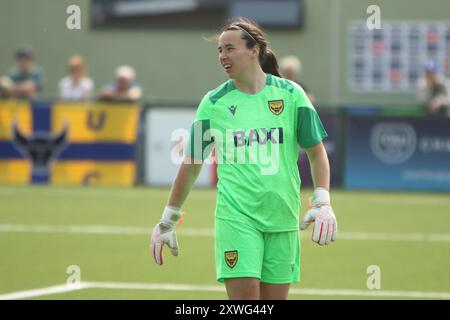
(170, 216)
(320, 197)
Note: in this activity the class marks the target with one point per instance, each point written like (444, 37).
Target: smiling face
(234, 56)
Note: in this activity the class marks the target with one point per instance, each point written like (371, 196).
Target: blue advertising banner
(397, 153)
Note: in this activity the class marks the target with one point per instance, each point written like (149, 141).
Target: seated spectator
(25, 80)
(433, 91)
(123, 88)
(290, 68)
(77, 85)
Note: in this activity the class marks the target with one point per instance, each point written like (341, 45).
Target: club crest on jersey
(276, 106)
(231, 258)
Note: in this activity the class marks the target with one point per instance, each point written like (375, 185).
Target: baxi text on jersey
(260, 136)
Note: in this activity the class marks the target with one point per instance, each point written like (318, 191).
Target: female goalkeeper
(256, 120)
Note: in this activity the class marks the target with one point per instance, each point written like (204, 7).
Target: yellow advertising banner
(68, 143)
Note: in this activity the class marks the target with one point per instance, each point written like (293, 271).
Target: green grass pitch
(106, 232)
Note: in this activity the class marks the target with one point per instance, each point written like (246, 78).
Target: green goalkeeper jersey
(256, 138)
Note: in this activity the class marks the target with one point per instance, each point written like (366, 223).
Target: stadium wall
(171, 64)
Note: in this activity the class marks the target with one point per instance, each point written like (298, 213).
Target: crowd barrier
(63, 143)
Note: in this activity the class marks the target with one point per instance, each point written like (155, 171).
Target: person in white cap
(123, 88)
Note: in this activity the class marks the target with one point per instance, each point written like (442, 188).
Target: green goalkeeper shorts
(243, 251)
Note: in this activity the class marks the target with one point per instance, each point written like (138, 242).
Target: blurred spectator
(77, 85)
(25, 80)
(433, 91)
(290, 68)
(6, 85)
(123, 88)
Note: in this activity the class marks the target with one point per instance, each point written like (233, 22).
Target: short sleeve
(200, 140)
(310, 130)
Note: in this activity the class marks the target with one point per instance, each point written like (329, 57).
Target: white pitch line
(108, 193)
(76, 229)
(366, 198)
(216, 288)
(209, 232)
(155, 286)
(109, 230)
(296, 291)
(26, 294)
(371, 293)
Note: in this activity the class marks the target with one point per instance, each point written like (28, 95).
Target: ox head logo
(41, 147)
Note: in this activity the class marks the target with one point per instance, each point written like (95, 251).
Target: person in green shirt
(256, 121)
(26, 79)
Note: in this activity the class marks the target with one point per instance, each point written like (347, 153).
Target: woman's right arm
(187, 174)
(164, 231)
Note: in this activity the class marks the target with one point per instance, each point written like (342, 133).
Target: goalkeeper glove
(325, 227)
(164, 233)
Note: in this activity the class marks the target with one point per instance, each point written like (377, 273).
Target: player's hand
(325, 224)
(164, 234)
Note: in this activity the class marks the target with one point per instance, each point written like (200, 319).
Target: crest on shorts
(231, 258)
(276, 106)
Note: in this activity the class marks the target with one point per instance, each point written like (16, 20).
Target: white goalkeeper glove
(325, 227)
(164, 233)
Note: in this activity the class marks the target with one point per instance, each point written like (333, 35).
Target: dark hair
(254, 36)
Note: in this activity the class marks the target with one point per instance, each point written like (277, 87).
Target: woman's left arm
(320, 213)
(320, 167)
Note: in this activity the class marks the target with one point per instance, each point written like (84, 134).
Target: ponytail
(269, 63)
